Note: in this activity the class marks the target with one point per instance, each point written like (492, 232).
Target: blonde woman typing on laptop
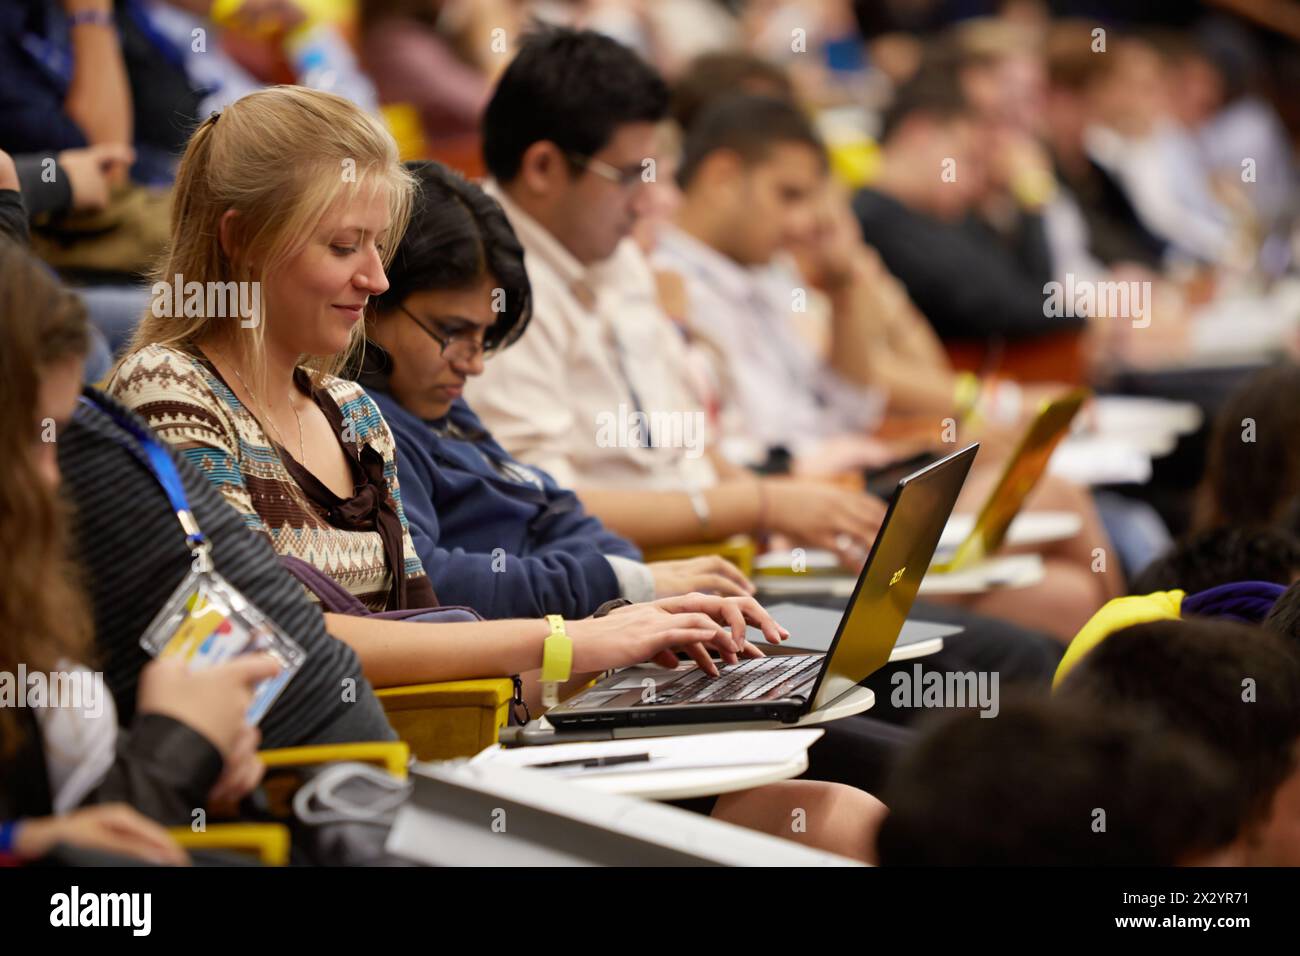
(288, 205)
(292, 201)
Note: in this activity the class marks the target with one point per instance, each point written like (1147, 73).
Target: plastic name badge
(207, 621)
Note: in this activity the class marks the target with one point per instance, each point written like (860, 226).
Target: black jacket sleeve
(42, 194)
(163, 768)
(24, 781)
(13, 216)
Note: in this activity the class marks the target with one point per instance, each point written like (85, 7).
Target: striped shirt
(357, 541)
(133, 555)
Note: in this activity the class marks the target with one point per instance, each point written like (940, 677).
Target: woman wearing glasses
(491, 532)
(299, 196)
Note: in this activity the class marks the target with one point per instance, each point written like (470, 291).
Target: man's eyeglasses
(622, 178)
(460, 347)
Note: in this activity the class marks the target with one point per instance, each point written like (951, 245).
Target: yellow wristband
(557, 659)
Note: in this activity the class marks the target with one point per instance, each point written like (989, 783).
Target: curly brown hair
(43, 615)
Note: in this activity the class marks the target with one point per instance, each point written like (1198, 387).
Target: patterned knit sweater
(356, 541)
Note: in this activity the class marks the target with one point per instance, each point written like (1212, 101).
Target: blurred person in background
(569, 162)
(439, 57)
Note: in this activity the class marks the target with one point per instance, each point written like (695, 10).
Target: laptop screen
(1023, 470)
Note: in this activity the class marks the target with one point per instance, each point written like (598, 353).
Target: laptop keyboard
(745, 680)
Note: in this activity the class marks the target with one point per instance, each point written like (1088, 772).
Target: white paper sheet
(1091, 460)
(685, 752)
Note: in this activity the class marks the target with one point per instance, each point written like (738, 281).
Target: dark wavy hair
(457, 237)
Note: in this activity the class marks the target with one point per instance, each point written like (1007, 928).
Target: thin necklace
(302, 448)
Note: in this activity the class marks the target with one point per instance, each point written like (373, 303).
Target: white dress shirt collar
(540, 244)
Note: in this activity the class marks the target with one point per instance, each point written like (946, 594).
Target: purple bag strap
(337, 599)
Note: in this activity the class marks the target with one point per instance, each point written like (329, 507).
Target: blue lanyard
(163, 468)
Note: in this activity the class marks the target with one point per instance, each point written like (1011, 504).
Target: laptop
(785, 687)
(1023, 470)
(813, 628)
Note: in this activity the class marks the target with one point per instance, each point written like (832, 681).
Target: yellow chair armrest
(392, 755)
(738, 549)
(269, 842)
(448, 719)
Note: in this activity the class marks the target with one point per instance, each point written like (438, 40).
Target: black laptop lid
(889, 581)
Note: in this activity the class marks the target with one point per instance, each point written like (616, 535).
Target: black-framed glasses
(622, 178)
(457, 347)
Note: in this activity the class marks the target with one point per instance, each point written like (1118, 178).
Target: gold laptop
(1021, 474)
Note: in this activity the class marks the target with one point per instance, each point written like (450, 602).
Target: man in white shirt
(784, 393)
(595, 392)
(754, 179)
(598, 334)
(566, 138)
(752, 172)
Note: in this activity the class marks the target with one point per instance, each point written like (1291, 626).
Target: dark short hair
(1024, 789)
(457, 237)
(572, 87)
(1253, 482)
(1201, 560)
(934, 93)
(1191, 674)
(1284, 619)
(725, 73)
(748, 126)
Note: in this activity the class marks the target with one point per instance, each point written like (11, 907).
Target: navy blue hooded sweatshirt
(505, 547)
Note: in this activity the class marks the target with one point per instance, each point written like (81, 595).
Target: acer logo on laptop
(898, 576)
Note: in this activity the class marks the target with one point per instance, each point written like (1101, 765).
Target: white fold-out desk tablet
(998, 572)
(690, 765)
(680, 785)
(1029, 529)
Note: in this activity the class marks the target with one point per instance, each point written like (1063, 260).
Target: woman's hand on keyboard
(657, 630)
(731, 612)
(645, 632)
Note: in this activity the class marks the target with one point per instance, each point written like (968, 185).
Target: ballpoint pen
(585, 763)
